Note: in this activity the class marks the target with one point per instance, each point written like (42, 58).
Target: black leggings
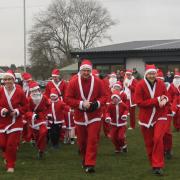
(54, 133)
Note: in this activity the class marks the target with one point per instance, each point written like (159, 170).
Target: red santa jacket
(173, 91)
(56, 111)
(148, 101)
(69, 120)
(60, 87)
(176, 106)
(117, 114)
(14, 101)
(80, 89)
(130, 90)
(40, 109)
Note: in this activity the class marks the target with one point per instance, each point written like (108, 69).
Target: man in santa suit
(26, 133)
(37, 112)
(56, 82)
(13, 104)
(151, 97)
(86, 95)
(173, 92)
(129, 88)
(112, 79)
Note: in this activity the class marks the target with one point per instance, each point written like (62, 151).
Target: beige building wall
(137, 63)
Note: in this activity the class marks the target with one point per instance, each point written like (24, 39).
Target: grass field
(64, 164)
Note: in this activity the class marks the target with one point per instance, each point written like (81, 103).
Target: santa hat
(10, 73)
(55, 72)
(95, 72)
(26, 76)
(54, 92)
(119, 84)
(177, 75)
(113, 74)
(115, 94)
(33, 86)
(150, 68)
(129, 71)
(86, 64)
(160, 75)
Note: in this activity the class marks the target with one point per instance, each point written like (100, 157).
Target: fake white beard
(112, 81)
(36, 97)
(176, 82)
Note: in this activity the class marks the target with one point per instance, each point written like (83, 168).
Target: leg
(132, 117)
(114, 138)
(122, 137)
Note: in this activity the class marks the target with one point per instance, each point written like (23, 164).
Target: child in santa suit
(55, 117)
(38, 107)
(117, 116)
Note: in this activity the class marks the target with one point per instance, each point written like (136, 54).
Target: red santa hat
(119, 84)
(26, 76)
(115, 94)
(55, 72)
(33, 86)
(113, 74)
(10, 73)
(95, 72)
(160, 75)
(150, 68)
(54, 92)
(86, 64)
(177, 75)
(129, 71)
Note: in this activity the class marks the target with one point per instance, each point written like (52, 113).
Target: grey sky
(138, 20)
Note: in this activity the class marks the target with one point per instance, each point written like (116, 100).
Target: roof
(138, 45)
(70, 68)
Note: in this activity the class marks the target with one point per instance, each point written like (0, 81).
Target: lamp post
(24, 10)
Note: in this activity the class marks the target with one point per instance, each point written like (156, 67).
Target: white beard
(25, 86)
(112, 81)
(126, 89)
(176, 82)
(36, 98)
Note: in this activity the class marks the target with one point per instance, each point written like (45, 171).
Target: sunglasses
(7, 79)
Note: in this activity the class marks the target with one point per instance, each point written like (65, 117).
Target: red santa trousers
(9, 144)
(168, 136)
(88, 139)
(153, 138)
(41, 137)
(118, 136)
(132, 111)
(106, 128)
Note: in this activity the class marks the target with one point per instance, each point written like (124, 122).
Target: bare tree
(67, 25)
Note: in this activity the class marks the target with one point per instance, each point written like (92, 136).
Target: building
(165, 54)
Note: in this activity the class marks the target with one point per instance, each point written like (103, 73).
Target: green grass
(64, 164)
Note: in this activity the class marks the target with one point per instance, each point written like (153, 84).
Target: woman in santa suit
(13, 105)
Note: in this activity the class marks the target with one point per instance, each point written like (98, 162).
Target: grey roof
(72, 67)
(138, 45)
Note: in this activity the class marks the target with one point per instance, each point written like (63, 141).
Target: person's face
(115, 100)
(56, 78)
(8, 81)
(129, 76)
(53, 98)
(85, 73)
(37, 91)
(117, 88)
(151, 76)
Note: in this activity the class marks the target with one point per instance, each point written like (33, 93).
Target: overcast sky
(138, 20)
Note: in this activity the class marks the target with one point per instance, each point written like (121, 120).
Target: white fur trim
(14, 130)
(87, 122)
(119, 124)
(99, 104)
(2, 110)
(150, 70)
(34, 88)
(115, 95)
(162, 118)
(17, 111)
(81, 105)
(54, 75)
(53, 95)
(9, 74)
(85, 66)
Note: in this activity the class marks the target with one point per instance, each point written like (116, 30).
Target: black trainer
(89, 169)
(157, 171)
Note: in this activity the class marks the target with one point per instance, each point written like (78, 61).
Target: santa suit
(173, 92)
(56, 113)
(60, 87)
(11, 127)
(88, 124)
(129, 90)
(118, 125)
(38, 125)
(153, 119)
